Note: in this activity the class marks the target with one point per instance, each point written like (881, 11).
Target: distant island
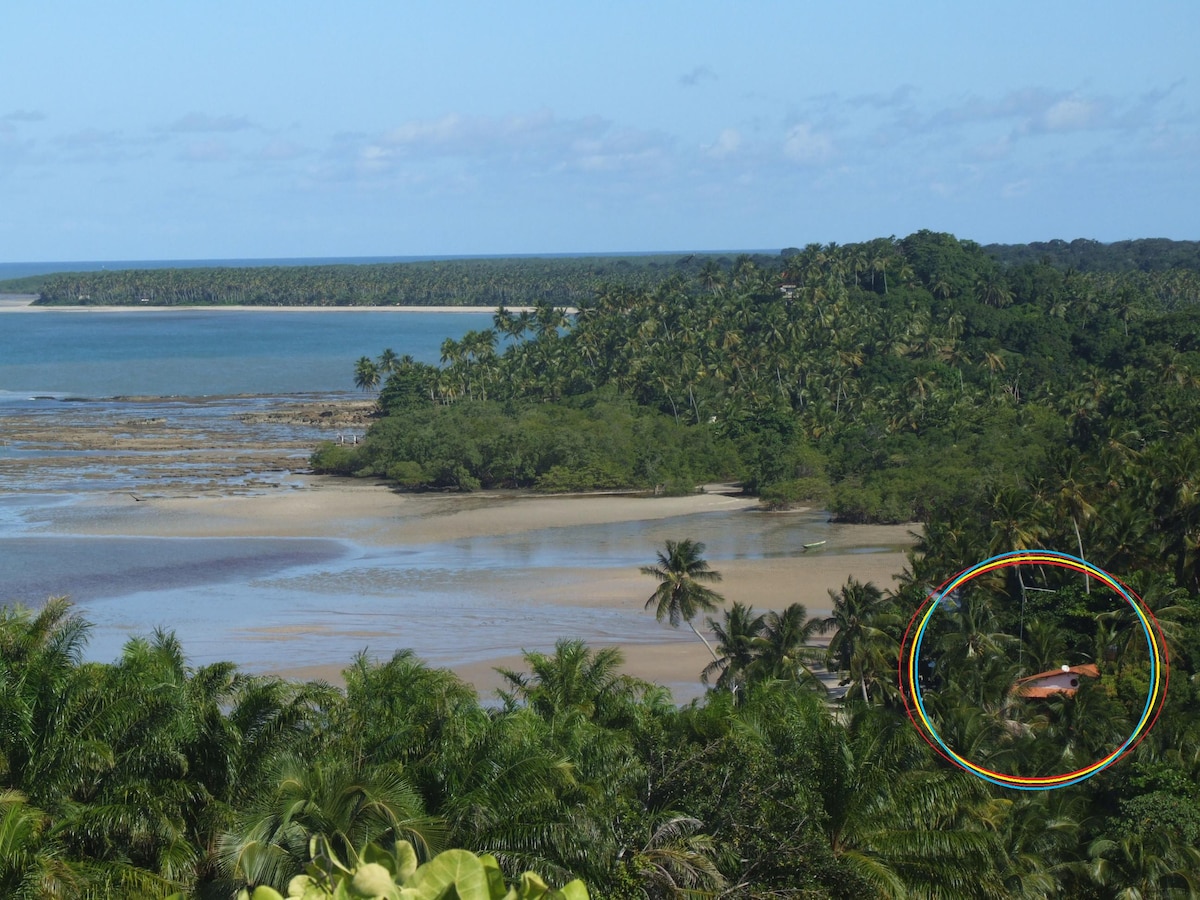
(515, 281)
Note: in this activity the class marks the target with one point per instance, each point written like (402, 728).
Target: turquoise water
(192, 353)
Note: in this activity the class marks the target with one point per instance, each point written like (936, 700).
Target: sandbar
(371, 514)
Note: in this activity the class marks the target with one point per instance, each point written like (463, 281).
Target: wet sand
(370, 514)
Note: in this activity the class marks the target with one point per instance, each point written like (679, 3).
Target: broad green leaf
(458, 868)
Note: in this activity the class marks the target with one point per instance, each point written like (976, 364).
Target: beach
(373, 516)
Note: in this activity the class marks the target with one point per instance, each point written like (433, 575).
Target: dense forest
(1145, 255)
(1003, 406)
(884, 381)
(453, 282)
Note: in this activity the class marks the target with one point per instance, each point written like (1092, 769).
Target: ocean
(198, 353)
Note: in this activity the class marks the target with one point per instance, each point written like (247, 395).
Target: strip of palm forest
(1058, 409)
(485, 281)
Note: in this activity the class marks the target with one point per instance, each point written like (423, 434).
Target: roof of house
(1043, 684)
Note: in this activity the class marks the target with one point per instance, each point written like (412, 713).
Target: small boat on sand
(814, 545)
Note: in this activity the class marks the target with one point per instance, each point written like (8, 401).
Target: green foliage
(595, 444)
(209, 782)
(1145, 255)
(450, 282)
(1007, 405)
(393, 874)
(334, 459)
(887, 379)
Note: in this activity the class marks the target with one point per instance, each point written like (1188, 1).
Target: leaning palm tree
(681, 595)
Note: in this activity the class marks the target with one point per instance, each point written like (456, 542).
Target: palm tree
(1045, 645)
(405, 712)
(574, 678)
(351, 807)
(905, 827)
(784, 652)
(677, 860)
(366, 374)
(681, 595)
(388, 362)
(737, 641)
(1137, 866)
(856, 617)
(32, 863)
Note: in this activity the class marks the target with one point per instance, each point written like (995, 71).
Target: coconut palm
(388, 362)
(1138, 866)
(366, 374)
(738, 640)
(859, 616)
(784, 650)
(681, 594)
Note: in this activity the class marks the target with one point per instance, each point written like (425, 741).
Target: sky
(268, 129)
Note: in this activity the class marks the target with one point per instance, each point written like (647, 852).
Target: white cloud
(900, 98)
(97, 145)
(1069, 114)
(990, 151)
(534, 142)
(281, 151)
(807, 147)
(206, 151)
(1016, 189)
(728, 142)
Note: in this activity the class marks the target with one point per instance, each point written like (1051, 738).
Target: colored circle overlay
(910, 651)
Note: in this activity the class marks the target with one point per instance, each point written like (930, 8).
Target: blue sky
(139, 130)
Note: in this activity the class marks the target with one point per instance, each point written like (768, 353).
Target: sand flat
(373, 515)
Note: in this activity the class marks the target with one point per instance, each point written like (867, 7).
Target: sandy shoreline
(369, 515)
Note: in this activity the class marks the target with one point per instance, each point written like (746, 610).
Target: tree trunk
(706, 643)
(1087, 579)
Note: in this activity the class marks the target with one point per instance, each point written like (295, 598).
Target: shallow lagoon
(285, 603)
(258, 600)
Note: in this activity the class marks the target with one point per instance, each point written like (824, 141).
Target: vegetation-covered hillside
(885, 380)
